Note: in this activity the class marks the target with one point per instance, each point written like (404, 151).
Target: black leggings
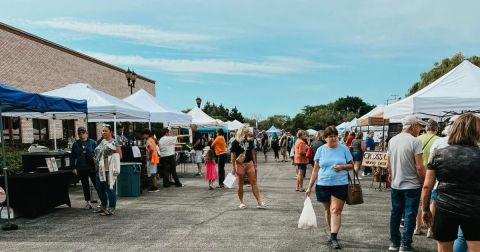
(84, 175)
(169, 167)
(275, 151)
(221, 159)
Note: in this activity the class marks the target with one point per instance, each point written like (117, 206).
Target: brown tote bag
(355, 195)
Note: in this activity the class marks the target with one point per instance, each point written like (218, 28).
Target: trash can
(128, 181)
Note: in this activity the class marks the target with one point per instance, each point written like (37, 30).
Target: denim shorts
(198, 156)
(433, 197)
(357, 156)
(151, 169)
(325, 193)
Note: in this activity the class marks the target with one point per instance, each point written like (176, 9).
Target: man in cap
(405, 165)
(82, 162)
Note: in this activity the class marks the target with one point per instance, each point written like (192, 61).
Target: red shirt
(349, 141)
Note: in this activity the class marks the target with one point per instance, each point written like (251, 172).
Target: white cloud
(272, 65)
(138, 33)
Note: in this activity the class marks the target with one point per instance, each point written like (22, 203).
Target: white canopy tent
(375, 112)
(311, 132)
(353, 123)
(234, 125)
(454, 92)
(342, 126)
(158, 112)
(202, 120)
(101, 106)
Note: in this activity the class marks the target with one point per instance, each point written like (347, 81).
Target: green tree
(235, 115)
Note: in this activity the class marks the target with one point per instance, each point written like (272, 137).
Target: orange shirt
(219, 145)
(300, 152)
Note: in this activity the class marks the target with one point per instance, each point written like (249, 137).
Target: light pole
(199, 101)
(131, 78)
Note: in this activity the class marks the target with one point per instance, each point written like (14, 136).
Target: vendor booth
(103, 107)
(32, 193)
(455, 92)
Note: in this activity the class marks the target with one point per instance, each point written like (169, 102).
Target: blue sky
(265, 57)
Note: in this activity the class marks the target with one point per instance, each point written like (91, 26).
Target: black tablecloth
(127, 154)
(32, 160)
(32, 194)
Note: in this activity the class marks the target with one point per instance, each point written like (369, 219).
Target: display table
(32, 194)
(127, 154)
(32, 160)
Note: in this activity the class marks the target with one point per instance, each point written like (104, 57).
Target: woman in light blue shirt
(330, 176)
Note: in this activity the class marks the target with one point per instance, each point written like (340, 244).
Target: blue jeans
(460, 245)
(403, 202)
(105, 194)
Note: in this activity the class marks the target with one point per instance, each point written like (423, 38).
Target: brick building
(37, 65)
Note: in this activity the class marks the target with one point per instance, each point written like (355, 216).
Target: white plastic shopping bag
(229, 181)
(307, 218)
(292, 152)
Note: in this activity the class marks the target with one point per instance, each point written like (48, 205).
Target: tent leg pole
(114, 125)
(115, 132)
(9, 225)
(54, 134)
(383, 136)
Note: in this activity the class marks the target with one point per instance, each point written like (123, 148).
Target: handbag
(309, 153)
(241, 158)
(354, 194)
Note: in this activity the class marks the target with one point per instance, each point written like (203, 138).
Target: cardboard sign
(375, 159)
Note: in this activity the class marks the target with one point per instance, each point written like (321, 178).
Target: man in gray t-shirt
(405, 165)
(401, 152)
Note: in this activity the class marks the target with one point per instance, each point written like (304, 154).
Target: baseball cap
(81, 129)
(411, 120)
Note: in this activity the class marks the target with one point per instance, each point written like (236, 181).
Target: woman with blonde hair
(458, 192)
(244, 161)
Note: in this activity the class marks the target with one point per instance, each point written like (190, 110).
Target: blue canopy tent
(15, 100)
(273, 130)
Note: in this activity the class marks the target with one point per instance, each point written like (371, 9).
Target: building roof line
(43, 41)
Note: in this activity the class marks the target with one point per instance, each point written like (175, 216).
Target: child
(211, 170)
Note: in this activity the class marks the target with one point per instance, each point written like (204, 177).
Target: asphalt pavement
(193, 218)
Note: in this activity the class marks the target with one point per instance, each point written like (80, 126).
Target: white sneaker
(393, 247)
(262, 205)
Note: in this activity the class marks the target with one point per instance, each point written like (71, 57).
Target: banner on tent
(375, 159)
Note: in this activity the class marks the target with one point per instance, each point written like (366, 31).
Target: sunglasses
(81, 132)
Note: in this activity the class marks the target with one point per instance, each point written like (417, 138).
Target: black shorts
(445, 227)
(325, 193)
(302, 167)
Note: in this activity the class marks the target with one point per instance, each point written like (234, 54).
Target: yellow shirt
(427, 141)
